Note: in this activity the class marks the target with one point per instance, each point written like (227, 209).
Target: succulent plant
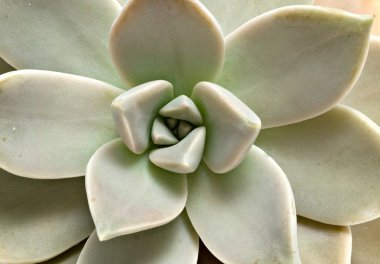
(173, 132)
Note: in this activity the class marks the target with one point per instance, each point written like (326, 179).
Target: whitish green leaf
(177, 41)
(246, 215)
(66, 36)
(173, 243)
(295, 63)
(51, 123)
(41, 218)
(332, 163)
(128, 194)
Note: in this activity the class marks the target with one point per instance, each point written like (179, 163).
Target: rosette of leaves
(163, 130)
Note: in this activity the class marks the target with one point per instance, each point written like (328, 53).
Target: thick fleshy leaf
(69, 257)
(233, 14)
(173, 243)
(127, 193)
(66, 36)
(51, 123)
(134, 112)
(278, 63)
(356, 6)
(5, 67)
(161, 134)
(41, 218)
(182, 108)
(178, 41)
(332, 163)
(250, 207)
(366, 243)
(320, 243)
(231, 126)
(365, 96)
(183, 157)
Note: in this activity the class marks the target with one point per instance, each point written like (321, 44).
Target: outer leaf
(365, 243)
(177, 41)
(278, 63)
(319, 243)
(128, 194)
(41, 218)
(365, 96)
(250, 207)
(67, 36)
(332, 163)
(173, 243)
(5, 67)
(51, 123)
(356, 6)
(231, 14)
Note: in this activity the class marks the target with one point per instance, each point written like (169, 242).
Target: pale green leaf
(247, 215)
(41, 218)
(182, 108)
(51, 123)
(177, 41)
(294, 63)
(173, 243)
(134, 112)
(231, 14)
(332, 163)
(161, 134)
(365, 96)
(320, 243)
(128, 194)
(231, 126)
(66, 36)
(183, 157)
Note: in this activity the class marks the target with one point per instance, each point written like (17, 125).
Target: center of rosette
(175, 121)
(179, 126)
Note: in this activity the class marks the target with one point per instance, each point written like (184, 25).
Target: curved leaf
(365, 96)
(319, 243)
(128, 194)
(171, 40)
(332, 163)
(294, 63)
(66, 36)
(173, 243)
(231, 126)
(41, 218)
(134, 112)
(233, 14)
(246, 215)
(51, 123)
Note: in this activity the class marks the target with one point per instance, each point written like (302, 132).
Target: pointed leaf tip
(278, 63)
(120, 183)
